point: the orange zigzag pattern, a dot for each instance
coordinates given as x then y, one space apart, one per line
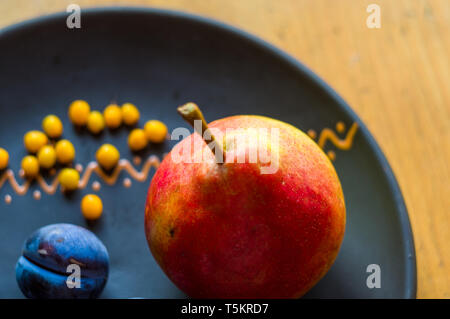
92 167
343 144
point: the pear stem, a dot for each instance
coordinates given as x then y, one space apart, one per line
191 113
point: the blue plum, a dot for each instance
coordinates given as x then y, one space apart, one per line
52 257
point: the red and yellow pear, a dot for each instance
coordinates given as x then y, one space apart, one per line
232 230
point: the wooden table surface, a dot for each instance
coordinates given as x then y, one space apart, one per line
396 78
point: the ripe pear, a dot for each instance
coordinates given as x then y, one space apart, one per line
245 228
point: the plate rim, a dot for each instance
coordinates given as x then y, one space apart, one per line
297 66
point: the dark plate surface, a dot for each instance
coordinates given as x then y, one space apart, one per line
159 60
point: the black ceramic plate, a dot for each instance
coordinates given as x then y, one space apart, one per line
159 60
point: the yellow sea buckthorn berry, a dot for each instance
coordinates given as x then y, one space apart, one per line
69 178
107 156
130 114
91 207
65 152
30 166
156 131
137 139
96 122
113 116
46 156
79 111
4 158
52 126
34 140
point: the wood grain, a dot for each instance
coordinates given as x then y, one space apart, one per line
396 78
